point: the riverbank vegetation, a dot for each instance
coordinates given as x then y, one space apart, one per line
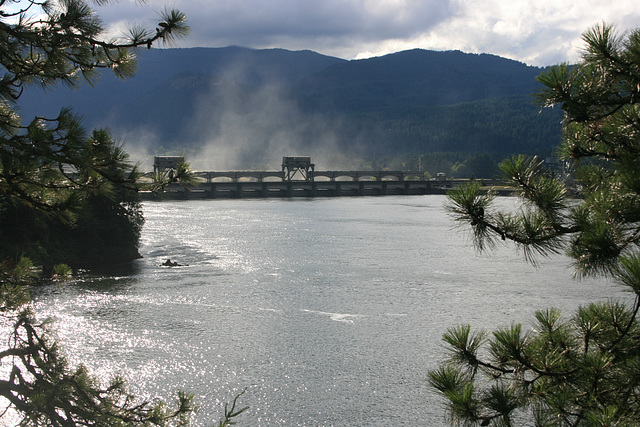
452 164
580 369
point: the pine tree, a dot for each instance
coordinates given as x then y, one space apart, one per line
55 179
583 369
52 169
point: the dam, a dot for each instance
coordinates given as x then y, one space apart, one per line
298 178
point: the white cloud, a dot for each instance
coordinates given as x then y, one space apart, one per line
539 33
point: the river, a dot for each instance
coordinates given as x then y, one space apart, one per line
328 311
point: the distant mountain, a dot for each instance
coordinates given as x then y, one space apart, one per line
416 78
237 108
160 67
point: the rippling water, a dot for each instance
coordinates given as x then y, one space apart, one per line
329 311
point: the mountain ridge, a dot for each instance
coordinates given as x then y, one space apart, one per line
239 107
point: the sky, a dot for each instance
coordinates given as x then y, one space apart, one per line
540 33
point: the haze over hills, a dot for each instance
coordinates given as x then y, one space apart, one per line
233 107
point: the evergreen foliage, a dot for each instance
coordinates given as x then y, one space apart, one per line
498 126
66 195
52 171
584 369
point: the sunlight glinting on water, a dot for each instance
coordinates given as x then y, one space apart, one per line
329 312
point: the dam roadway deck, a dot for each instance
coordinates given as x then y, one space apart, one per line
271 184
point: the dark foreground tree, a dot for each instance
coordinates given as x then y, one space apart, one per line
584 369
65 195
52 171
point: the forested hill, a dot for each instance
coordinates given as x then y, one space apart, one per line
417 78
237 108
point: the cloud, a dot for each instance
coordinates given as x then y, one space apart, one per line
539 33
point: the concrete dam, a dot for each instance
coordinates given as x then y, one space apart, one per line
298 178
